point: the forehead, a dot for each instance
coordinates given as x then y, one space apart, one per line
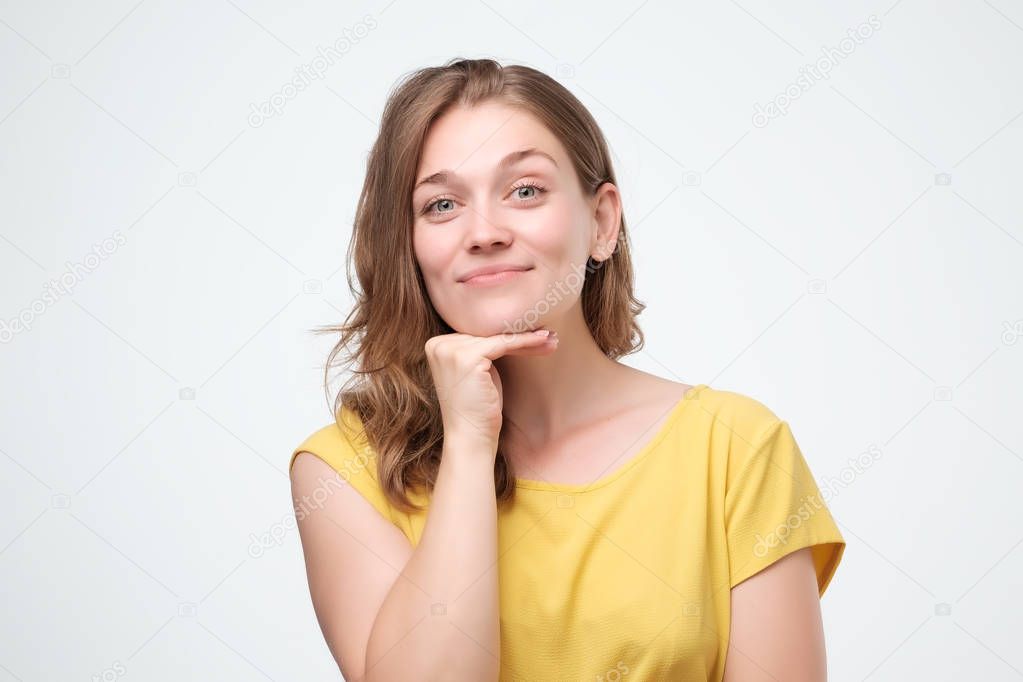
473 140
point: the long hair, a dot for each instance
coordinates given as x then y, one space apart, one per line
382 340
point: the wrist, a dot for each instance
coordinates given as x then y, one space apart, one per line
473 447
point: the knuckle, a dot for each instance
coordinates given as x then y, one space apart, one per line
434 344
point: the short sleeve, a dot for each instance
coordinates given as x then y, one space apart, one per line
355 464
773 507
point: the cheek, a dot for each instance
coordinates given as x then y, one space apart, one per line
560 233
430 251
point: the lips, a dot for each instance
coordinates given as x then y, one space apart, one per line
493 270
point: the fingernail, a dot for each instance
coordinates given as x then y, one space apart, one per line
542 332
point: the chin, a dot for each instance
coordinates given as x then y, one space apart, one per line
496 322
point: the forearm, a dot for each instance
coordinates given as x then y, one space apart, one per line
440 620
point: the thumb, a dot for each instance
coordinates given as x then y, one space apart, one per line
496 377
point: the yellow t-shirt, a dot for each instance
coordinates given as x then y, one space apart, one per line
629 577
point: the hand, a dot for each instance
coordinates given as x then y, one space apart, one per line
469 386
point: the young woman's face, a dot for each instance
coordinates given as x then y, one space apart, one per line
496 189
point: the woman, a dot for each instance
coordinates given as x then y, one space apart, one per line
499 497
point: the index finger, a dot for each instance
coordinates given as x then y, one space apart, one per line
495 346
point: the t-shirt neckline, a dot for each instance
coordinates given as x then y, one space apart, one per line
691 394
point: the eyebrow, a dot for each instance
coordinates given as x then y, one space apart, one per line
442 176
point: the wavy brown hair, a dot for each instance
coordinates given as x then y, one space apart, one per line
382 340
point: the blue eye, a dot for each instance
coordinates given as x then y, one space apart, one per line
442 202
537 190
429 207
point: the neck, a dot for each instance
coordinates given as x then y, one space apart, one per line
547 395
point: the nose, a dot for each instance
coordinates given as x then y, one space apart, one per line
485 232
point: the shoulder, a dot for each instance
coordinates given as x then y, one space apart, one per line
344 448
735 417
342 445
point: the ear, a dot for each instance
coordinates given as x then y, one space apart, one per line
607 219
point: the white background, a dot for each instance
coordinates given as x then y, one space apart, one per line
855 264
